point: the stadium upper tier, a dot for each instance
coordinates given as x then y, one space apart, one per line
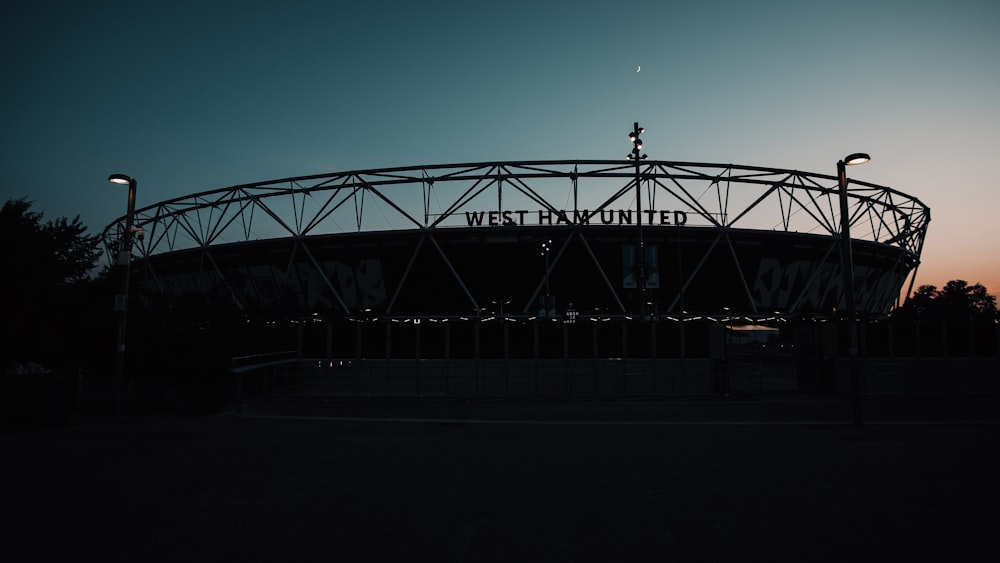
543 192
725 210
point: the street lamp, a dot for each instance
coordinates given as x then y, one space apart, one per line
123 261
847 270
640 259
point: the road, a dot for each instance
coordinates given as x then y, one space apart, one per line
632 481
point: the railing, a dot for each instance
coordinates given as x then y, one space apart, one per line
242 365
931 376
749 377
526 378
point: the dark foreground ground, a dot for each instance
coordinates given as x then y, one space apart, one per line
527 481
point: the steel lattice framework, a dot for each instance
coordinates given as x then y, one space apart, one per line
722 198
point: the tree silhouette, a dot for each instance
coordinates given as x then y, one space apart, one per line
956 300
46 266
53 253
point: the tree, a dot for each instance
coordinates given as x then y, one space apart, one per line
956 300
46 265
921 300
53 253
958 297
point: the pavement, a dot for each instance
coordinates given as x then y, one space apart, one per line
709 479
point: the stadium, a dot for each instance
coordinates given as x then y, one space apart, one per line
574 277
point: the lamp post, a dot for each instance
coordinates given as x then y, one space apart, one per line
640 259
123 261
847 271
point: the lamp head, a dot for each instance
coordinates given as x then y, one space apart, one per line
856 158
121 179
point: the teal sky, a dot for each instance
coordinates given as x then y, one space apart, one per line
190 96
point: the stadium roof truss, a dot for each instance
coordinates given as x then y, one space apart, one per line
723 197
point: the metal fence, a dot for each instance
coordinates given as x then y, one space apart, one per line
556 378
814 361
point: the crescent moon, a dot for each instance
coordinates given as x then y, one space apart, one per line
638 68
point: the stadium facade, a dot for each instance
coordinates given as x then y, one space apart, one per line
423 262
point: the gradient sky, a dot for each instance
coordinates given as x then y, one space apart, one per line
191 96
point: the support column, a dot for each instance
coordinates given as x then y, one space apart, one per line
329 341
